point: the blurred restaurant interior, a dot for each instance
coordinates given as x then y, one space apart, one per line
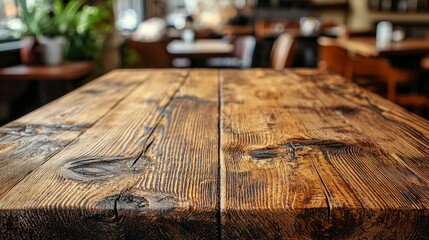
381 45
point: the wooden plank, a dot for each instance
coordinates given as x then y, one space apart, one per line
388 171
147 169
316 131
31 140
271 142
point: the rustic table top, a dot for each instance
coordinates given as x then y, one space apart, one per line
216 153
367 46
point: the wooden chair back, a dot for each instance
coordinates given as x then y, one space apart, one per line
283 51
380 68
335 58
424 63
331 56
150 54
417 102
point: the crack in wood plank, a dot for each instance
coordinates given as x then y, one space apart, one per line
96 169
161 117
145 149
293 147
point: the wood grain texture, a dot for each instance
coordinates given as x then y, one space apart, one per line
271 141
31 140
389 174
135 174
313 156
209 154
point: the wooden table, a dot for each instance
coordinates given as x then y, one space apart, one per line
216 153
366 46
65 72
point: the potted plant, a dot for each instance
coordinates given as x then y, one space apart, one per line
83 31
94 34
46 28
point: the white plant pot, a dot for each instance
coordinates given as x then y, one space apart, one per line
53 49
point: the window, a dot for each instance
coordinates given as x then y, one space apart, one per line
129 13
8 15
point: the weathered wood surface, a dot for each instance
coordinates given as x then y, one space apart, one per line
31 140
209 154
308 155
139 172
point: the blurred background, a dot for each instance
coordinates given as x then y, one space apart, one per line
50 47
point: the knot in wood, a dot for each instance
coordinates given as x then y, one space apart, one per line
262 154
345 109
132 202
124 201
94 169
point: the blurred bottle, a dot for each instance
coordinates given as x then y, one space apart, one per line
384 34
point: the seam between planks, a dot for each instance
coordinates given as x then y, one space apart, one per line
86 129
221 166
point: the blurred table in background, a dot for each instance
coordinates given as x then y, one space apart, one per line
38 85
66 71
200 50
406 54
366 46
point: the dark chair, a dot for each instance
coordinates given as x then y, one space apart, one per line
418 101
424 63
